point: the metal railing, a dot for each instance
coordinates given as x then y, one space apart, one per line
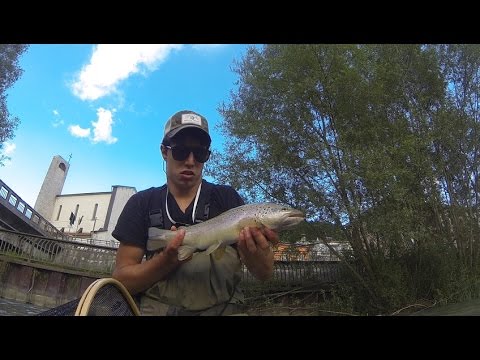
300 272
97 259
91 241
67 255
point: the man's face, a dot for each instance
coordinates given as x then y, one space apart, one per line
184 171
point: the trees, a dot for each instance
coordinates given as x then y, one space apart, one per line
378 140
10 72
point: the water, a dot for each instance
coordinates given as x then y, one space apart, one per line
16 308
466 308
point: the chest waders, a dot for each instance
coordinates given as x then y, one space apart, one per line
202 285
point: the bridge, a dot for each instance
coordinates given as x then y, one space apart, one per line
17 215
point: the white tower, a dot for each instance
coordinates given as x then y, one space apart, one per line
51 187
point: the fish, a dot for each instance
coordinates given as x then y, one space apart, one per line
222 230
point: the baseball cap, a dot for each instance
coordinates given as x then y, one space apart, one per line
183 120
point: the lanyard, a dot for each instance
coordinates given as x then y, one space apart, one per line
194 206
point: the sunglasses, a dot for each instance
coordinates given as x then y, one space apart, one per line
181 153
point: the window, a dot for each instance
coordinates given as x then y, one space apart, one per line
59 211
76 210
3 192
21 206
28 213
62 166
12 200
94 211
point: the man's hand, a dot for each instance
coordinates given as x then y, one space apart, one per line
138 275
252 239
254 246
171 250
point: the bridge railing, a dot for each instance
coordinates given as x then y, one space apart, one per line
67 255
91 241
12 201
97 259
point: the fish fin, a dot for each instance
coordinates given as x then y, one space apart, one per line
185 251
246 222
218 253
158 238
212 248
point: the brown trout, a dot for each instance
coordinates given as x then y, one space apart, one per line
224 229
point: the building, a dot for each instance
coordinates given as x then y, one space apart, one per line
83 215
316 250
92 215
52 186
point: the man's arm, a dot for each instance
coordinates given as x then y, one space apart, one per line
255 250
138 276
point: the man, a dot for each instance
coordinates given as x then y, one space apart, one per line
203 284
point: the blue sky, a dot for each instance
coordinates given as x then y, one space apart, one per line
106 105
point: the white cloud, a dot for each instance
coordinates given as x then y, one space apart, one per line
202 47
110 64
57 121
102 128
5 152
77 131
8 148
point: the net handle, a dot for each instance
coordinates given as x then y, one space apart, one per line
89 294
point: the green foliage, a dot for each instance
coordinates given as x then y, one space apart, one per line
431 274
10 72
378 142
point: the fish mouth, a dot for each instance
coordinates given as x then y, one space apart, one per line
296 213
294 217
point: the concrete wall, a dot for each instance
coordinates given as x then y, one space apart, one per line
110 206
120 196
86 205
34 284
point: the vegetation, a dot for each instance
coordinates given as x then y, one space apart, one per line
380 145
10 72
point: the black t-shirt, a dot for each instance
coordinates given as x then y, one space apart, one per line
134 221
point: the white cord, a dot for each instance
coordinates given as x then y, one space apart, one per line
194 205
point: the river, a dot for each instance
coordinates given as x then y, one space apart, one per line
465 308
16 308
468 308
